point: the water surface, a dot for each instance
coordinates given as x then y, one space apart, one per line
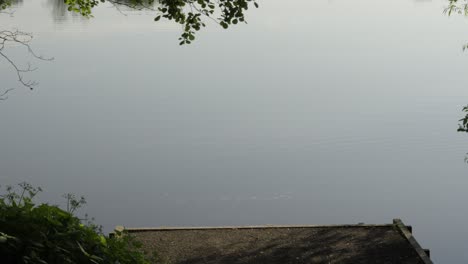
316 112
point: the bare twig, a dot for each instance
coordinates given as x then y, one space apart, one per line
15 37
4 96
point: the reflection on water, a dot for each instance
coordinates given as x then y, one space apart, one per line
60 9
16 2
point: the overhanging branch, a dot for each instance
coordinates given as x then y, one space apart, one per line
10 38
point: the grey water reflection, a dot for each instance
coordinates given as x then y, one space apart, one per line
60 11
16 3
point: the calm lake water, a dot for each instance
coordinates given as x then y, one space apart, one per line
316 112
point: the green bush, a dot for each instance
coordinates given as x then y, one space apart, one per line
45 233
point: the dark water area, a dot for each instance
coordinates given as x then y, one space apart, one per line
316 112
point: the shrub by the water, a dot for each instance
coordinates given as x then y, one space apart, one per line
44 233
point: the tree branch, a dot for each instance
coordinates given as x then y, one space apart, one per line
15 37
4 96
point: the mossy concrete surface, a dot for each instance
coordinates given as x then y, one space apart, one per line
386 244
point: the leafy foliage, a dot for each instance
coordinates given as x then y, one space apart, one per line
45 233
457 7
463 127
460 7
4 4
188 13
